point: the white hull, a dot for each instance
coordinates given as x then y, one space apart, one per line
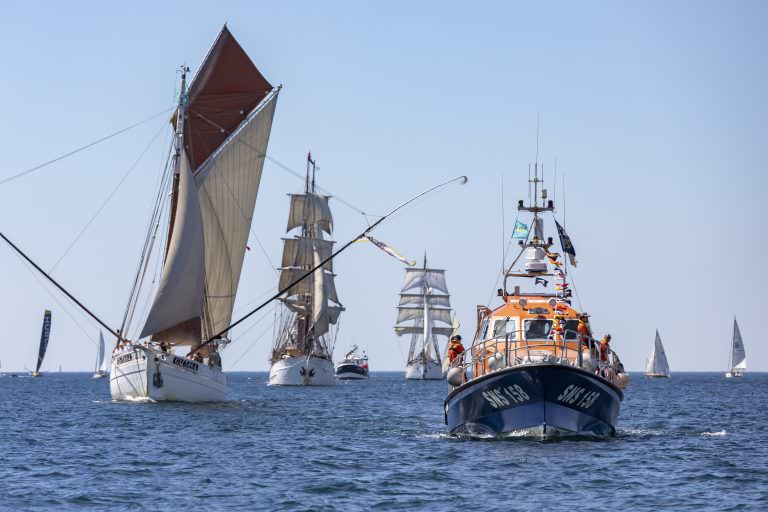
658 375
302 371
417 371
146 375
351 376
734 374
99 375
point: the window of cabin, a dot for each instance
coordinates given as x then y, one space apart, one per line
504 326
537 329
483 330
571 330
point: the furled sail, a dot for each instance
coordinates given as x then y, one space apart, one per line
657 361
419 329
738 354
178 303
44 336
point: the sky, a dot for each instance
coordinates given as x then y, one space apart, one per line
653 114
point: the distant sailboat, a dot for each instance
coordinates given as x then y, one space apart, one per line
101 363
738 359
657 365
303 349
44 336
424 300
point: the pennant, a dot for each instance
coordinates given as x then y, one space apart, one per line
565 242
542 281
387 249
520 230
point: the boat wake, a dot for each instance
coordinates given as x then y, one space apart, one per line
720 433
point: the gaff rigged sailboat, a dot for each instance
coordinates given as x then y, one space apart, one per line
100 370
44 337
657 365
424 301
222 126
738 356
302 352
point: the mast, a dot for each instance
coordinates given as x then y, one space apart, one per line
427 316
178 143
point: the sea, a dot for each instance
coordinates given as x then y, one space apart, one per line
693 442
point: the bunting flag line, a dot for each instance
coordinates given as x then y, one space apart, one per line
520 230
387 249
565 242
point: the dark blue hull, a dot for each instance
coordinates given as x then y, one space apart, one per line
544 400
351 371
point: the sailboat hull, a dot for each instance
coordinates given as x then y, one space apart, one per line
142 374
302 371
543 401
420 371
658 375
99 375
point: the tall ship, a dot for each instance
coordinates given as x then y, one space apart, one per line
100 368
354 365
222 125
737 361
302 353
657 365
43 347
534 367
424 305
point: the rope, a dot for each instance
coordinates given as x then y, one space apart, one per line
109 197
81 148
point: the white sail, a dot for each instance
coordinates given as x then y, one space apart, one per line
310 209
435 314
320 318
307 286
657 362
425 278
228 183
175 312
738 354
299 252
440 331
417 299
101 361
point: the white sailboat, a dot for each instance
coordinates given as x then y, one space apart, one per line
657 365
738 356
303 349
100 370
222 126
424 301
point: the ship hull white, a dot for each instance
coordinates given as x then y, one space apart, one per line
658 375
145 375
420 371
734 374
302 371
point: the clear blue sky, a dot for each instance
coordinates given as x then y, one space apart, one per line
655 111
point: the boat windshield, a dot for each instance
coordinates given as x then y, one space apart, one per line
504 326
537 329
572 329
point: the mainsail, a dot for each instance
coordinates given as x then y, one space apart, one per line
225 123
424 300
101 362
44 336
738 355
657 361
313 303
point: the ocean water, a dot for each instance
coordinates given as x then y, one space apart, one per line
694 442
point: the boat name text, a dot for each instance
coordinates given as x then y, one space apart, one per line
185 363
577 395
505 396
125 358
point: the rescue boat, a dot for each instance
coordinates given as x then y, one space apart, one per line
535 369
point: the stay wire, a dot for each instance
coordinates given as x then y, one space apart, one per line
81 148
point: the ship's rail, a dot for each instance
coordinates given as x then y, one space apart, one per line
494 354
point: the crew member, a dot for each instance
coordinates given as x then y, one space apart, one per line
583 329
455 348
604 347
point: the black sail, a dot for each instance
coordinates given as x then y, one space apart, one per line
44 339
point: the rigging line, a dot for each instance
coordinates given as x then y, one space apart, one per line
57 285
253 344
81 148
48 291
109 198
462 179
